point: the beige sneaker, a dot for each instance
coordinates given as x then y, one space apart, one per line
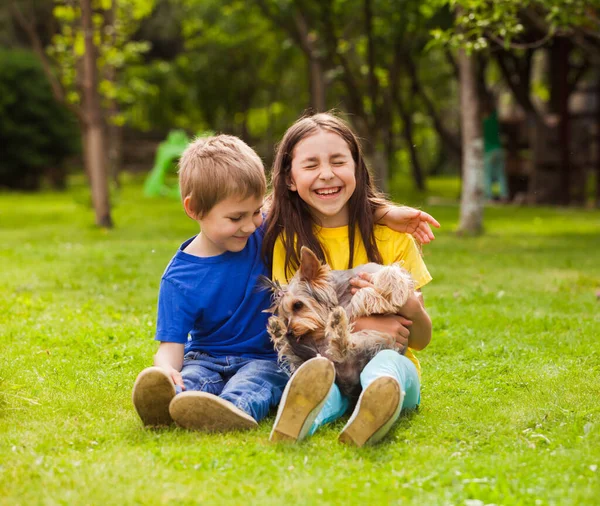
302 399
153 391
209 413
376 411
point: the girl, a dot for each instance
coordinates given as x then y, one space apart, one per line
324 198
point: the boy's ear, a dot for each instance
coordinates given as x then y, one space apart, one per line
187 205
311 269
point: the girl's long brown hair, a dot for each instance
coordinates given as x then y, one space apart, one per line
290 217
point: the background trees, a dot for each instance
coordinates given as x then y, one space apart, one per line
252 67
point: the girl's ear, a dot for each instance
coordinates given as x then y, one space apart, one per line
291 185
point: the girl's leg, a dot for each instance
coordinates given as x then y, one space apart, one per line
391 363
390 383
335 406
309 389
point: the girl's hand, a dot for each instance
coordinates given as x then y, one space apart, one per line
395 326
362 280
409 221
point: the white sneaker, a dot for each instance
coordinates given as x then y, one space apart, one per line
209 413
376 411
153 391
302 400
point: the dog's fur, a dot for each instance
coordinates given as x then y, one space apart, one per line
311 316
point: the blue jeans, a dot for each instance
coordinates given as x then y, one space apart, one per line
250 384
385 363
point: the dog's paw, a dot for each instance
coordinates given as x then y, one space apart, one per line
395 284
368 301
275 327
338 318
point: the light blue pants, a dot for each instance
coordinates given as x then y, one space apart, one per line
493 169
385 363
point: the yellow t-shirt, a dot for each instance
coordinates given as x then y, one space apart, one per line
393 247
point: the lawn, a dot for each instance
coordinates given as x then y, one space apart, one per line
510 409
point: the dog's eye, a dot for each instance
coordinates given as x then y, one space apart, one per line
298 305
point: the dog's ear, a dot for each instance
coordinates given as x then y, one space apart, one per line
277 292
311 269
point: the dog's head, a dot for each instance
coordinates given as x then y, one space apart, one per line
306 302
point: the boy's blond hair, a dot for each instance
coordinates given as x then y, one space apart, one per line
212 169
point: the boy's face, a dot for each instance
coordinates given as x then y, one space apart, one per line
229 224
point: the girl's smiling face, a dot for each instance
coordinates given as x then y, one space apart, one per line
323 174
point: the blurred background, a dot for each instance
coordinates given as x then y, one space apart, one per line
501 99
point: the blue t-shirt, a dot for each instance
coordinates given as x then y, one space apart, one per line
218 302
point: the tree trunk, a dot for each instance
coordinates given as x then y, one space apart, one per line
316 75
407 132
450 142
380 169
115 150
471 202
597 199
94 133
565 123
378 163
114 132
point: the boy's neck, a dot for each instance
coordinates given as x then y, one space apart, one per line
199 247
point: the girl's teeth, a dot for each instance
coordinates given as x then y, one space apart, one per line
327 192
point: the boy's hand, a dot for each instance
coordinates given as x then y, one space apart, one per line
409 221
176 377
169 357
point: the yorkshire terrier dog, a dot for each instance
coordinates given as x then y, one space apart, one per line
311 316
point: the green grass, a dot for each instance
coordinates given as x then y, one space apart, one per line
510 408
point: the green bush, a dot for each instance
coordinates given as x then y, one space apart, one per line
37 134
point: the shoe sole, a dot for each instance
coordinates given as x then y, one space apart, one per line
302 399
153 391
208 413
374 413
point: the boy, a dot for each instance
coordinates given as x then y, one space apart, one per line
225 374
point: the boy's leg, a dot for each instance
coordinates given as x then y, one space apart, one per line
153 390
206 412
198 407
306 393
256 387
202 373
390 383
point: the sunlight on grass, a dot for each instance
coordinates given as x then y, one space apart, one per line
511 381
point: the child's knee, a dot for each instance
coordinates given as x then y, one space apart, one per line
380 365
388 363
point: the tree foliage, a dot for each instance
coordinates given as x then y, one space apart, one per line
36 132
115 24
